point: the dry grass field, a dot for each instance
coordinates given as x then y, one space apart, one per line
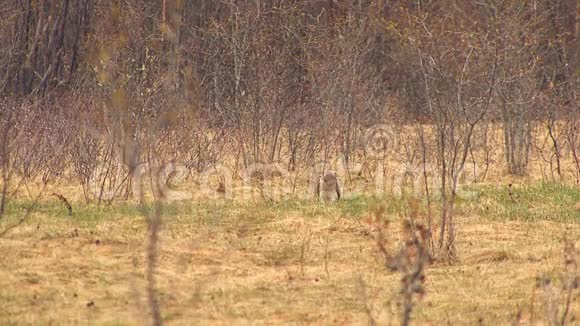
293 261
159 160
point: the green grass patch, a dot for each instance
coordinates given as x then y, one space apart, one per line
530 202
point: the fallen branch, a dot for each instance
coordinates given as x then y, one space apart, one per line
65 202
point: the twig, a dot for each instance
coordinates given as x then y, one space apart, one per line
326 255
65 202
367 309
154 224
570 261
304 247
26 215
568 301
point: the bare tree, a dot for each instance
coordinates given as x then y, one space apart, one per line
459 87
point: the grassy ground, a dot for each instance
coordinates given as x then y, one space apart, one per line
293 261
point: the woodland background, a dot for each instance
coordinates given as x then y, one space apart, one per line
91 89
454 95
283 80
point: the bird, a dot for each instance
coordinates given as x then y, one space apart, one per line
327 188
221 189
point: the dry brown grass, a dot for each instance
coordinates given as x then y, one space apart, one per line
242 262
268 270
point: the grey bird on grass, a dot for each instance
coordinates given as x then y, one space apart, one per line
327 188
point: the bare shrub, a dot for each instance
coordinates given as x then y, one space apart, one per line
32 146
559 292
521 52
410 260
573 139
459 85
